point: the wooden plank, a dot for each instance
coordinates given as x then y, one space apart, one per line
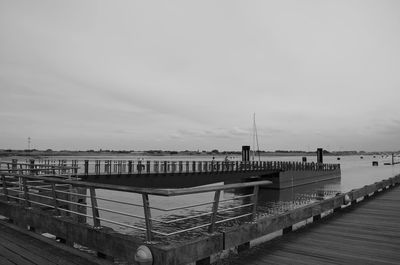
367 233
4 261
16 258
49 249
28 244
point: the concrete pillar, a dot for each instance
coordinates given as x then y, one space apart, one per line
245 153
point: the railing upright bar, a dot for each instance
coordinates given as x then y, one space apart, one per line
86 167
214 211
5 191
255 200
95 211
147 216
26 195
53 191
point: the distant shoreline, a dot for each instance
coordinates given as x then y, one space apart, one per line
47 153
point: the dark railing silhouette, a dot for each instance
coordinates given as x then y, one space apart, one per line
112 167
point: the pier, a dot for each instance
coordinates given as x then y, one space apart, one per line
179 174
78 212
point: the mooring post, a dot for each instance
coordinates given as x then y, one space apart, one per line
214 211
245 153
95 210
147 216
320 155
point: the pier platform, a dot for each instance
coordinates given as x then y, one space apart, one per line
21 247
366 233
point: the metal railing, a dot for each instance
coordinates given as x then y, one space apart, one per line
38 169
69 198
108 167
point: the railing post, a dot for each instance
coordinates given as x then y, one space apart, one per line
5 190
255 201
214 211
26 195
155 165
147 216
95 210
32 166
148 166
53 191
165 167
86 167
180 166
129 167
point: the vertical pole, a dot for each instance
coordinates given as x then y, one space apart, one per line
147 216
214 211
255 201
86 167
129 167
32 166
95 210
53 191
26 195
148 166
5 191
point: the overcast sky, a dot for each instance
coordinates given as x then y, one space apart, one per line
178 75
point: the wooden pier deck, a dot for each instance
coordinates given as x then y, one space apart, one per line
20 247
367 233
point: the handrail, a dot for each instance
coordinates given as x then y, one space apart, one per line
35 190
150 191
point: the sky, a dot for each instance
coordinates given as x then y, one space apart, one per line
189 75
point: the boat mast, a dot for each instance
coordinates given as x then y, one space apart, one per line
255 139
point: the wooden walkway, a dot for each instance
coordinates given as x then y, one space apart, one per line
368 233
19 247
